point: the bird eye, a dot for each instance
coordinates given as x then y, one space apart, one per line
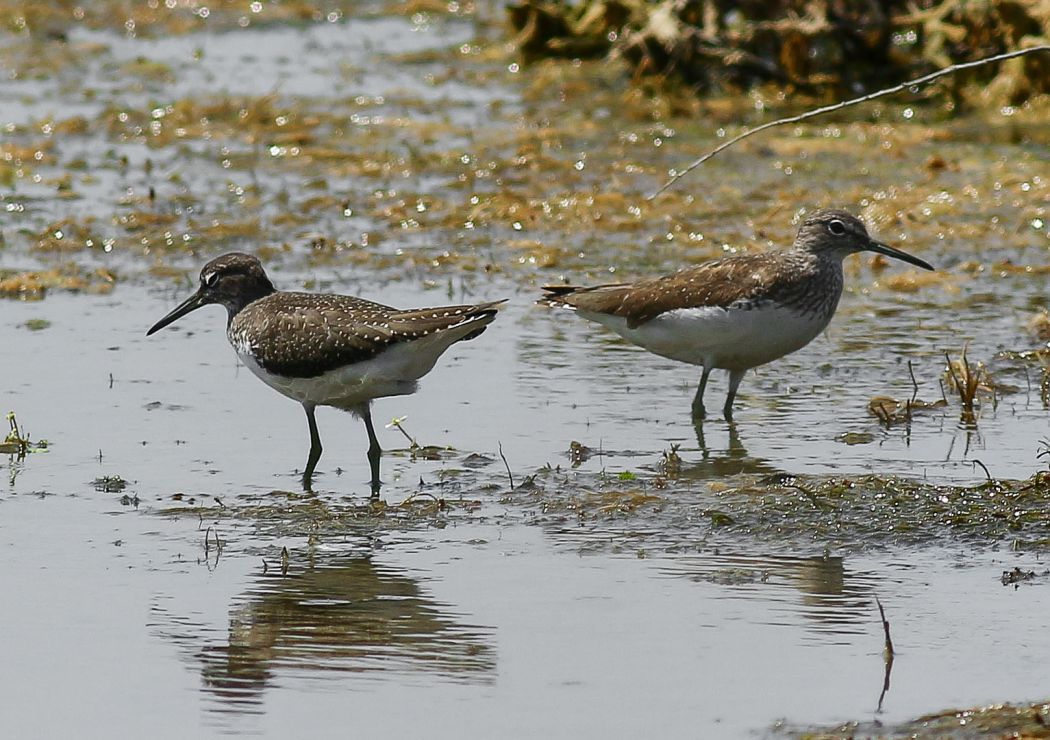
211 279
836 227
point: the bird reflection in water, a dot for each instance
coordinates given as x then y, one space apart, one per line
734 460
353 616
833 599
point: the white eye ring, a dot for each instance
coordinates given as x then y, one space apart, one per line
836 227
211 279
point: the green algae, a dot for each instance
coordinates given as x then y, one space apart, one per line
662 509
852 513
280 513
997 720
33 285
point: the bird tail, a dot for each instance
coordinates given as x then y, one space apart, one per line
483 314
559 295
465 321
597 298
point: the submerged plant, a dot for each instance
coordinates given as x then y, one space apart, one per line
109 484
890 411
1039 325
966 381
671 461
17 441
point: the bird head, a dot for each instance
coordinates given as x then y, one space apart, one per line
233 280
840 233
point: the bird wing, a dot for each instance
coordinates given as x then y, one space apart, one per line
718 283
419 322
307 334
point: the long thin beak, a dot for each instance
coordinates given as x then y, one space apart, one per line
889 251
192 303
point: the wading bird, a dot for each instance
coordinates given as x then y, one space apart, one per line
322 349
738 312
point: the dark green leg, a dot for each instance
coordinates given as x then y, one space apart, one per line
698 400
315 448
374 450
735 376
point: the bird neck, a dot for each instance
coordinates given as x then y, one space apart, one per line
249 294
812 282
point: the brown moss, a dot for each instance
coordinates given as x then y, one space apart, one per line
67 235
1039 325
34 285
912 281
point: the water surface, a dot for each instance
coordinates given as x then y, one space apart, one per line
166 575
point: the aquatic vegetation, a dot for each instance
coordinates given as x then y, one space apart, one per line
912 281
110 484
1039 325
17 442
1017 576
49 21
671 462
67 235
890 411
997 720
34 285
967 381
663 511
851 512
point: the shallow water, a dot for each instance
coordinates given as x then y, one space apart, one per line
602 594
452 629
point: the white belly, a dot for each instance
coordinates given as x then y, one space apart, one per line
393 372
730 339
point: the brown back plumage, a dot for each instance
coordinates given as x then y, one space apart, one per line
755 277
307 334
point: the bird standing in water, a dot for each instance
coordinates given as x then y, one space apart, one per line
328 350
738 312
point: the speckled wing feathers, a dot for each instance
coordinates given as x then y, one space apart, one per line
304 335
781 276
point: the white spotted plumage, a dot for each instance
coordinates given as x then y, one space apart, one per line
393 371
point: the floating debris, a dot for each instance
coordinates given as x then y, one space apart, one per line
890 411
579 453
110 484
1018 575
